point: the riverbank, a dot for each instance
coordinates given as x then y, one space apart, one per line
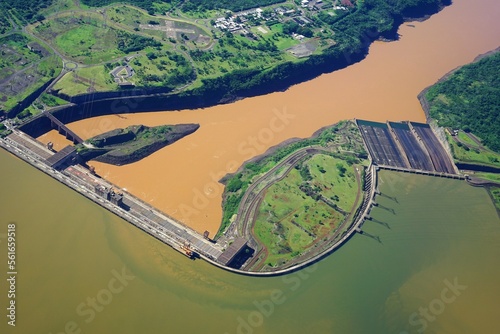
422 95
247 81
255 124
458 106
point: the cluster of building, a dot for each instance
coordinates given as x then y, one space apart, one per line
284 11
320 5
228 24
237 21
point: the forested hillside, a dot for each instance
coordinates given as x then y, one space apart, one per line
23 9
190 5
470 100
234 5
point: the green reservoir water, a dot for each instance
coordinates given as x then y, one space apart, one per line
83 270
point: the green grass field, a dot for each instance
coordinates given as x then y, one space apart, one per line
325 173
290 221
89 44
473 154
235 53
70 86
495 194
488 176
464 137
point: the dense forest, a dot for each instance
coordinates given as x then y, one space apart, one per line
190 5
144 4
23 9
470 100
234 5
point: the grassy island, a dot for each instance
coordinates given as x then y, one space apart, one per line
124 146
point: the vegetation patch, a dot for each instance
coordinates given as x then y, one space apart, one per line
468 103
124 146
474 153
89 40
25 11
236 50
469 99
51 100
495 195
343 136
298 198
306 207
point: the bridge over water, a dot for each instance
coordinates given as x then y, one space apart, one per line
63 129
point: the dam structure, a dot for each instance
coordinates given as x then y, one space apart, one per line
405 147
64 167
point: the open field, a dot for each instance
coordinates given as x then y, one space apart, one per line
128 17
71 86
495 177
162 68
307 206
466 139
473 154
334 178
236 52
88 40
51 100
85 80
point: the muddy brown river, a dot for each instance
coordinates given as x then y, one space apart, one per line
182 179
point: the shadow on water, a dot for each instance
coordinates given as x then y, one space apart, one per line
389 197
380 222
374 237
391 210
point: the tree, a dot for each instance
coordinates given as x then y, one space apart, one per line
341 169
